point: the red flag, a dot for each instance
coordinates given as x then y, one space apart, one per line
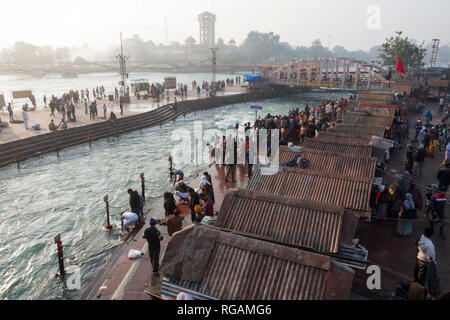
400 67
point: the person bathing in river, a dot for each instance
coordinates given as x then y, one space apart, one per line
129 219
179 174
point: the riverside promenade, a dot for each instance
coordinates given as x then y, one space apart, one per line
15 132
21 149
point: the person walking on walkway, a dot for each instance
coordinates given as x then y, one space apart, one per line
444 176
421 154
231 162
425 254
429 116
10 111
419 127
441 105
410 151
438 204
154 238
25 117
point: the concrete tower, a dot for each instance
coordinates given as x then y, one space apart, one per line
207 23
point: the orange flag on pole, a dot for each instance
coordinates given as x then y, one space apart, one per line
400 67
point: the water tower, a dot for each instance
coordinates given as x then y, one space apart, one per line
207 23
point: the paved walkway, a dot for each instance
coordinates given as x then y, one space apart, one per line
396 255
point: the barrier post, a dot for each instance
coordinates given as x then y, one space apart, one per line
57 148
143 185
17 159
62 271
171 167
108 225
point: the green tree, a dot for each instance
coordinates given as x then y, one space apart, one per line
412 55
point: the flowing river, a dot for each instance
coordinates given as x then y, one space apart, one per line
51 195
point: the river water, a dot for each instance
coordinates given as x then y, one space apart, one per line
51 196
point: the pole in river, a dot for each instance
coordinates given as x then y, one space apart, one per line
143 185
62 271
17 159
106 199
171 167
57 148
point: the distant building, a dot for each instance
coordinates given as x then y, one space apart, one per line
207 23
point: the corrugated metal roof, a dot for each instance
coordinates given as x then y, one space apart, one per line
368 119
376 111
227 266
358 129
292 221
376 96
352 149
343 139
350 193
335 163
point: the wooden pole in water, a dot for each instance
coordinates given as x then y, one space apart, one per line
17 159
143 185
171 167
62 271
57 148
106 199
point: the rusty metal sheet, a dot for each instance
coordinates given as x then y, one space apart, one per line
438 83
376 96
377 105
357 129
335 163
352 149
368 120
377 111
287 220
234 267
350 193
24 94
343 139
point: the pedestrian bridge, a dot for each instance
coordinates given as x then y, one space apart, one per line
332 73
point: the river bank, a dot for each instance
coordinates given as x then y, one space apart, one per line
39 145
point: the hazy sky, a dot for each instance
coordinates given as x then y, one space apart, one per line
98 22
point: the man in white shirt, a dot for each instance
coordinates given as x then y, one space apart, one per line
25 118
441 104
129 219
426 254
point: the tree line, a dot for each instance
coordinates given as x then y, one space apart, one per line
257 47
